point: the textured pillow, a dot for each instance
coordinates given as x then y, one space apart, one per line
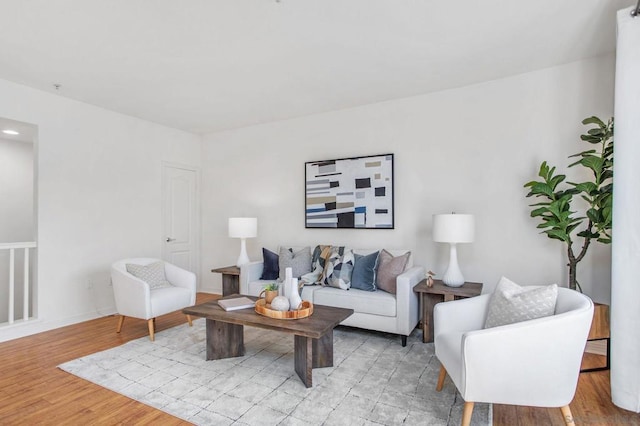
389 268
338 268
364 272
270 269
318 261
511 303
299 262
152 274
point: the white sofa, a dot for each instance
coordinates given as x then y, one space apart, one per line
373 310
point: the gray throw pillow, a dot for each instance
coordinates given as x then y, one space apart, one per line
511 303
389 268
299 262
364 272
152 274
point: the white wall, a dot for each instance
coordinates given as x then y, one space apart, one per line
99 198
468 150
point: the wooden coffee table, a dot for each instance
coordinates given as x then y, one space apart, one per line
313 336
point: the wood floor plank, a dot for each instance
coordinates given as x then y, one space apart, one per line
34 391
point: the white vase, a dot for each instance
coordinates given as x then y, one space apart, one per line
294 296
288 275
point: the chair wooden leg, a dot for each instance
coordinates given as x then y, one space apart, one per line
443 374
189 321
151 329
467 411
120 322
567 416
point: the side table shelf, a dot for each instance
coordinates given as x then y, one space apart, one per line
430 296
230 279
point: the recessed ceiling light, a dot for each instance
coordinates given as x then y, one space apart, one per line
10 132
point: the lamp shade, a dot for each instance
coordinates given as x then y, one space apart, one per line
453 228
243 227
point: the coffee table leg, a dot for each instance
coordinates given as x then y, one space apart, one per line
303 354
323 351
224 340
312 353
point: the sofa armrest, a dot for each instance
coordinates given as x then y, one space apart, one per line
181 278
131 294
407 300
447 317
250 272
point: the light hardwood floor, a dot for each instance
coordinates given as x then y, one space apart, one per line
34 391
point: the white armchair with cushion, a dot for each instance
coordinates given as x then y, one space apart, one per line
532 362
146 288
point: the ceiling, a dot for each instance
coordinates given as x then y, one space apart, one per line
210 65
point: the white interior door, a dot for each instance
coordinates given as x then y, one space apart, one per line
180 216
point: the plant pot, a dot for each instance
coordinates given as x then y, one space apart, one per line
269 295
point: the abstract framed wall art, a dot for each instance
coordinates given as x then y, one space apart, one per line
350 193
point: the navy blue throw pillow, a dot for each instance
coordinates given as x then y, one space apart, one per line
364 272
270 269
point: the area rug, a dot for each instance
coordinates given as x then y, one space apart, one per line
374 380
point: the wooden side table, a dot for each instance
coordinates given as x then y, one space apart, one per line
230 279
440 292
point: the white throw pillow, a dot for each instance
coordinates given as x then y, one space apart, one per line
152 274
511 303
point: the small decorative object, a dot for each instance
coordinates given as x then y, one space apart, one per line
270 291
243 228
560 220
294 295
288 275
430 276
280 303
453 229
351 193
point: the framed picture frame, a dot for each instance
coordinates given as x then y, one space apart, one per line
352 193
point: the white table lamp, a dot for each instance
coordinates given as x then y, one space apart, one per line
243 228
453 229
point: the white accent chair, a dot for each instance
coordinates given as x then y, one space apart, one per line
134 297
531 363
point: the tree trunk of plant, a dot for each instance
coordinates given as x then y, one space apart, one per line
573 282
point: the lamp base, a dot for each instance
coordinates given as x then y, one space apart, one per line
453 276
244 257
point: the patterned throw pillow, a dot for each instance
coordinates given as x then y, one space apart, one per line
318 262
152 274
299 262
364 272
339 267
511 303
389 268
270 270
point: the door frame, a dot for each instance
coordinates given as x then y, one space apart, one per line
196 225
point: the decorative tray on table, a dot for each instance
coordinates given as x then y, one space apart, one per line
305 310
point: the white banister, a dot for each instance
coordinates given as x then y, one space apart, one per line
12 261
27 290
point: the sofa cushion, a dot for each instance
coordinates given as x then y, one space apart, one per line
152 274
299 261
366 302
318 262
511 303
270 268
364 272
389 268
338 268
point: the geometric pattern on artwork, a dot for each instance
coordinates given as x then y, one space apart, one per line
511 303
350 193
152 274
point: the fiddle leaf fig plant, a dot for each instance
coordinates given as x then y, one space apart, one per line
557 219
